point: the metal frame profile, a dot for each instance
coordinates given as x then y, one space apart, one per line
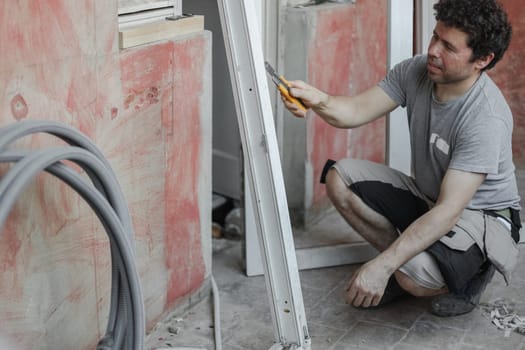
256 125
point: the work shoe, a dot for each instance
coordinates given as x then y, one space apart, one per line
465 300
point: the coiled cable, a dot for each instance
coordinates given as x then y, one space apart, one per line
126 323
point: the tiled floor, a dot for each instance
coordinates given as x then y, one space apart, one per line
246 322
406 324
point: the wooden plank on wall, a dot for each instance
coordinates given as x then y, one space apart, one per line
127 6
159 30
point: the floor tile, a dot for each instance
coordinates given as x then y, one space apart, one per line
404 324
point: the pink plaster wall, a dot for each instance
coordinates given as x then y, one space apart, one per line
147 110
508 74
347 56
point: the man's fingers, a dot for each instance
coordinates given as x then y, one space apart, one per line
298 93
293 108
367 302
297 84
359 300
364 300
376 300
358 295
299 89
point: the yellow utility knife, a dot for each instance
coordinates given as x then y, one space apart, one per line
284 87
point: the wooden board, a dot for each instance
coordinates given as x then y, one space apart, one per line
161 30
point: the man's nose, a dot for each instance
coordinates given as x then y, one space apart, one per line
434 49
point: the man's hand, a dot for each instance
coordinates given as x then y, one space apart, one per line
367 286
310 96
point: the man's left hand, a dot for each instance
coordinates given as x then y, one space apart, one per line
367 286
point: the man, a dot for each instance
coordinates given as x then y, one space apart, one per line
443 231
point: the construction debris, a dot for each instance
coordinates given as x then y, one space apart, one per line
501 313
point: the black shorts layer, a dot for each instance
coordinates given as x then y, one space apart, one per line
401 208
478 236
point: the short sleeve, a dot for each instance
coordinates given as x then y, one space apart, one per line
396 82
478 147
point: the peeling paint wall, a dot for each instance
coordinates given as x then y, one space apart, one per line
148 109
509 76
340 49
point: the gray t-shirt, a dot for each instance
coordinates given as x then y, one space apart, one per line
471 133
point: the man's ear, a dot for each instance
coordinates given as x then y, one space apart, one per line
482 62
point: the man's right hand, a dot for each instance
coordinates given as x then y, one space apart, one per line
311 97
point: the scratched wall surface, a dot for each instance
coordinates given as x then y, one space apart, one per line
148 110
508 74
343 51
347 56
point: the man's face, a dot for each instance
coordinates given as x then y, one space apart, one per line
449 56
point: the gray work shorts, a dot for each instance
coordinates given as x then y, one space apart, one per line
456 257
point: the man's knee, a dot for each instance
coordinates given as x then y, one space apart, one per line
337 191
415 289
343 198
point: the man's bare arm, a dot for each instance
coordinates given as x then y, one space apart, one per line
342 111
457 189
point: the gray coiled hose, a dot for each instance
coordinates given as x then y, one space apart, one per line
126 324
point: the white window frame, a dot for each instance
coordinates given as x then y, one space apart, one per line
147 11
400 47
425 23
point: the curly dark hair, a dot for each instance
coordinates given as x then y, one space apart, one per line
484 21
